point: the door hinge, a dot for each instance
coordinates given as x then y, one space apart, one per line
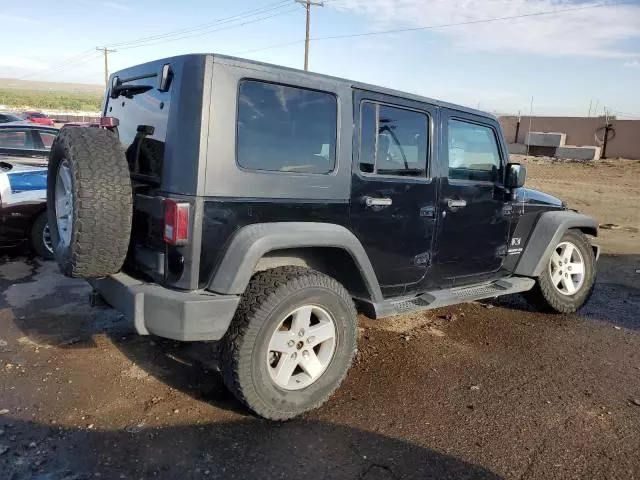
428 212
507 210
422 260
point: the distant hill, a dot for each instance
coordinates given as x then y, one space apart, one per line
52 96
17 84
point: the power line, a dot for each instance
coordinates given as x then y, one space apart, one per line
201 29
210 31
72 62
91 54
434 27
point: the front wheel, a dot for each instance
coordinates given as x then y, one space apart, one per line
291 342
568 278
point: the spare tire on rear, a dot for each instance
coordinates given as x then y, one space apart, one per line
89 202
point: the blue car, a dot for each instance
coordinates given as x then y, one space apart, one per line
23 207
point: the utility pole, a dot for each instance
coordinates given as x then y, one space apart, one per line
307 5
530 120
106 63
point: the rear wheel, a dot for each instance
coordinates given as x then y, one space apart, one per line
568 278
89 201
40 236
291 342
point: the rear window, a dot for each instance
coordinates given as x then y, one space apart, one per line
286 129
47 139
37 115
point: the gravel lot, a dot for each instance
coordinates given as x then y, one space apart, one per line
484 390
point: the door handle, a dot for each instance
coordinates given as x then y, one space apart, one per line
377 202
456 203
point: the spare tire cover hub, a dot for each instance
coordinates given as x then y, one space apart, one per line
64 202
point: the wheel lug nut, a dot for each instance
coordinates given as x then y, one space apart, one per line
311 339
294 355
301 332
305 354
290 343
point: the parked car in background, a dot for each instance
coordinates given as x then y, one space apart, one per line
6 117
82 124
23 205
26 142
39 118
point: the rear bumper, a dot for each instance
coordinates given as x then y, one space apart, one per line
156 310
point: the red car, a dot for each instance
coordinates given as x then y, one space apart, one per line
39 118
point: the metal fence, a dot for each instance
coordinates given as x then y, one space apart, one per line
74 117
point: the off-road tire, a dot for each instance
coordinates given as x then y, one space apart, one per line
102 202
36 237
267 299
546 298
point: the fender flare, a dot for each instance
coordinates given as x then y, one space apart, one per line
252 242
546 235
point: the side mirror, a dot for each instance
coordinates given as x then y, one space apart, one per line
516 175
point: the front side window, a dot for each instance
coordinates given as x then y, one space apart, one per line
473 152
286 129
393 141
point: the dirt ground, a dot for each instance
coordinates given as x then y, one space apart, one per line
608 190
484 390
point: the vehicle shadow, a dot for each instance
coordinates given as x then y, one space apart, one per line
615 298
54 311
254 449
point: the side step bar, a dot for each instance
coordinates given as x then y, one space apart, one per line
453 296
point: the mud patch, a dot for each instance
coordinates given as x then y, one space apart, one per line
15 270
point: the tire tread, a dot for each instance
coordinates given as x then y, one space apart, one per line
544 296
262 295
103 201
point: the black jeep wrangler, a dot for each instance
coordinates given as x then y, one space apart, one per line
262 206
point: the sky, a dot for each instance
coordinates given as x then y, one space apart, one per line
473 52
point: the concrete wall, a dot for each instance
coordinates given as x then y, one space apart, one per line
581 131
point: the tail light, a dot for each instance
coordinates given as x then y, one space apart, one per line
109 122
176 222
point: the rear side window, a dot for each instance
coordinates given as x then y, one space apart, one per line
15 139
473 152
393 141
286 129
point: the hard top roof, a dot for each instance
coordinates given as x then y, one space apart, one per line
227 59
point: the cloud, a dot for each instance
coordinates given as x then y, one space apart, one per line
632 64
587 32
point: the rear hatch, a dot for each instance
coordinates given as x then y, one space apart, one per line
158 107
